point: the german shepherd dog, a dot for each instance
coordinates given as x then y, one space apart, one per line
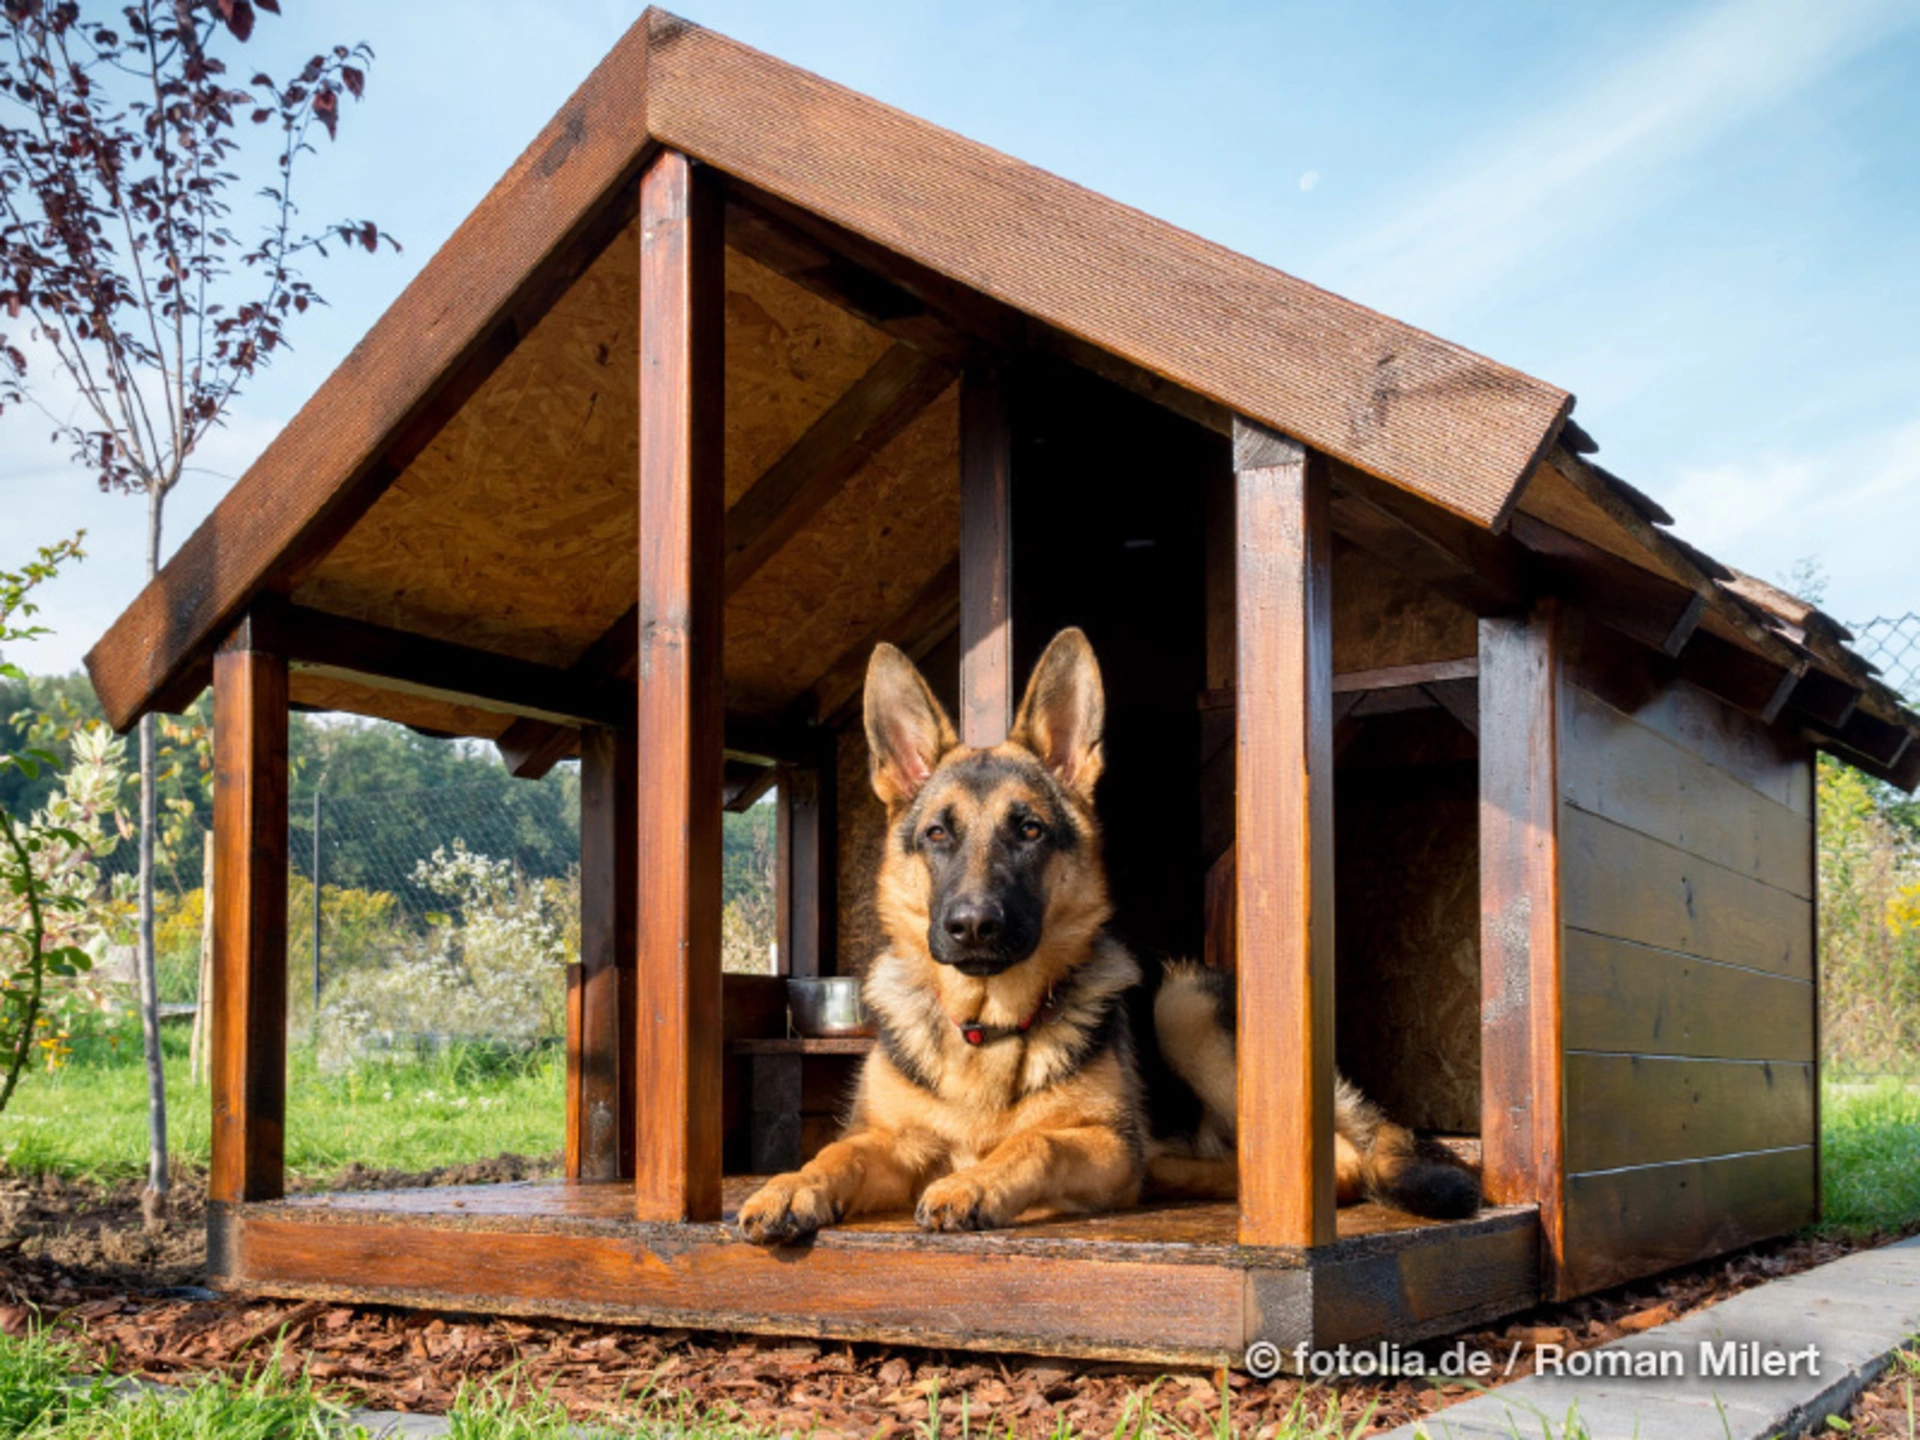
1005 1078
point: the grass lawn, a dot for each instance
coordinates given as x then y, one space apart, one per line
89 1119
1870 1156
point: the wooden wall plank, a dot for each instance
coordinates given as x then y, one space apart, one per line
680 720
1630 998
1648 1109
1622 1224
249 1066
1615 767
986 558
1520 933
1623 884
608 874
1284 845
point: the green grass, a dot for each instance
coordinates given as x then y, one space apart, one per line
90 1118
1870 1155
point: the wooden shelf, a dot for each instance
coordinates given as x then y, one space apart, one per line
838 1045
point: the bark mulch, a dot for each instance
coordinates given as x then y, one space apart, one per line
78 1256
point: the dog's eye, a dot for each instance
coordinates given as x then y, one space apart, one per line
935 835
1031 830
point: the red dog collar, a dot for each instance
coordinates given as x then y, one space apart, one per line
976 1033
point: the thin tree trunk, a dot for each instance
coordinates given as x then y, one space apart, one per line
154 1202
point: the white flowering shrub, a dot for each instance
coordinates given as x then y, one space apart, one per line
492 966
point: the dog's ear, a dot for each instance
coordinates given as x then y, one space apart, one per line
907 731
1064 713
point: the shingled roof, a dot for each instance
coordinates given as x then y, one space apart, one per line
1007 251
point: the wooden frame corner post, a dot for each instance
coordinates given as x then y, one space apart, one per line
1521 1117
986 558
249 1066
679 729
1283 820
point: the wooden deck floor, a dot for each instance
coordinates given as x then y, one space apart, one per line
1160 1283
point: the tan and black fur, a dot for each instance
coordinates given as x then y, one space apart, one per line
1005 1078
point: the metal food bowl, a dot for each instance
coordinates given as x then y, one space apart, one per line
827 1007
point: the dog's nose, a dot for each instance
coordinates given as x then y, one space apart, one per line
975 922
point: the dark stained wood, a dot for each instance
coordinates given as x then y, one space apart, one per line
609 872
1616 768
248 1069
1755 684
1284 844
1520 959
557 208
1162 1283
1459 428
1631 998
1825 699
416 664
1223 920
803 1045
1657 611
1622 1224
1648 1109
1618 882
1486 573
807 886
797 486
986 559
1393 677
680 723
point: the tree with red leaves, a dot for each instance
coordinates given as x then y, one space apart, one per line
122 275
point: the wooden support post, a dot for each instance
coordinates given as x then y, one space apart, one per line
986 559
807 894
1520 1051
1284 839
249 1062
599 1096
680 721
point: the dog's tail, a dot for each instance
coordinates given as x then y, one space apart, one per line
1374 1159
1378 1160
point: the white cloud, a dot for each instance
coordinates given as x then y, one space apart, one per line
1310 181
1856 505
1588 159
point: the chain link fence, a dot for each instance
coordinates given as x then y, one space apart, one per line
1893 643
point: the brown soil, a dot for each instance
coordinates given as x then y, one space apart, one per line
1890 1406
79 1255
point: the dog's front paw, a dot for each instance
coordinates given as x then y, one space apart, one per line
958 1202
787 1207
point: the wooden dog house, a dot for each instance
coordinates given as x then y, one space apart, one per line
736 373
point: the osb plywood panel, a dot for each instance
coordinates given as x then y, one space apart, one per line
1408 941
514 530
1382 618
856 564
329 692
790 355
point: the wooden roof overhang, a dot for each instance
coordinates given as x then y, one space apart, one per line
447 526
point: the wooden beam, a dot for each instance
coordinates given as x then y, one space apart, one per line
744 782
1284 840
1486 573
986 559
680 719
600 1115
808 901
249 1066
1825 699
1392 677
1753 683
541 226
1521 1128
413 664
1657 611
797 486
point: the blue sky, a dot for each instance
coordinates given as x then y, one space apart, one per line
1703 219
